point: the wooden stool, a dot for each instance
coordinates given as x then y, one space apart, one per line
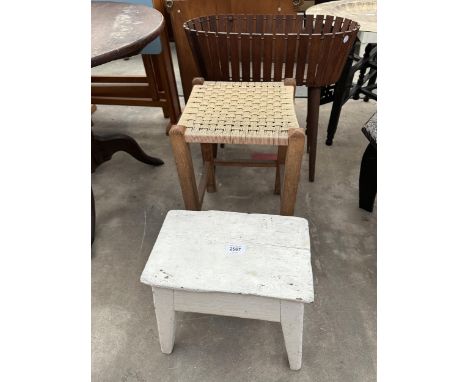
232 264
260 113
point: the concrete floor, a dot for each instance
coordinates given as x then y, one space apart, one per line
131 201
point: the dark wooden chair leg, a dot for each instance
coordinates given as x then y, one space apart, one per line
362 71
102 149
313 106
341 90
368 179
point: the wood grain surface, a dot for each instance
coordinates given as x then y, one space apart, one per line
119 30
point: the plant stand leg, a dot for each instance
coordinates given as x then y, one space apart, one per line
313 106
165 315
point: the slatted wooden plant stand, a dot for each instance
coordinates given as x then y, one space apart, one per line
312 49
232 264
257 113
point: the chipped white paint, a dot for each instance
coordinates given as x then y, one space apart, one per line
225 304
190 254
292 323
165 314
190 270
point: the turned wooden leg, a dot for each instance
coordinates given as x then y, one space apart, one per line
292 314
280 160
165 315
183 160
292 171
208 157
313 105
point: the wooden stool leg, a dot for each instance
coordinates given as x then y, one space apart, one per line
280 160
313 105
165 315
208 157
292 314
292 171
183 160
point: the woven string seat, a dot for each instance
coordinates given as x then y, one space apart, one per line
240 113
258 113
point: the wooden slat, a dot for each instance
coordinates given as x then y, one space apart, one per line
301 58
323 61
279 57
194 44
223 56
249 24
245 56
337 24
343 54
203 45
119 79
318 24
125 101
291 51
213 24
299 24
221 21
256 56
309 24
259 23
313 59
345 25
245 163
327 26
234 44
267 56
268 24
335 52
214 56
229 24
117 90
290 24
279 24
236 23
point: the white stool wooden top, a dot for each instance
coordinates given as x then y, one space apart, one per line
230 252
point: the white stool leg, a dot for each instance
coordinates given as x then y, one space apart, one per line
165 315
292 314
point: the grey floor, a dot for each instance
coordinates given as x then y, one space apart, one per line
131 201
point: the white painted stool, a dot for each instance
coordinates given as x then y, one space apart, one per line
232 264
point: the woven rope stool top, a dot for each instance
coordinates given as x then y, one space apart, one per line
240 113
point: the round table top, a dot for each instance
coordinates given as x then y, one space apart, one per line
119 30
362 11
